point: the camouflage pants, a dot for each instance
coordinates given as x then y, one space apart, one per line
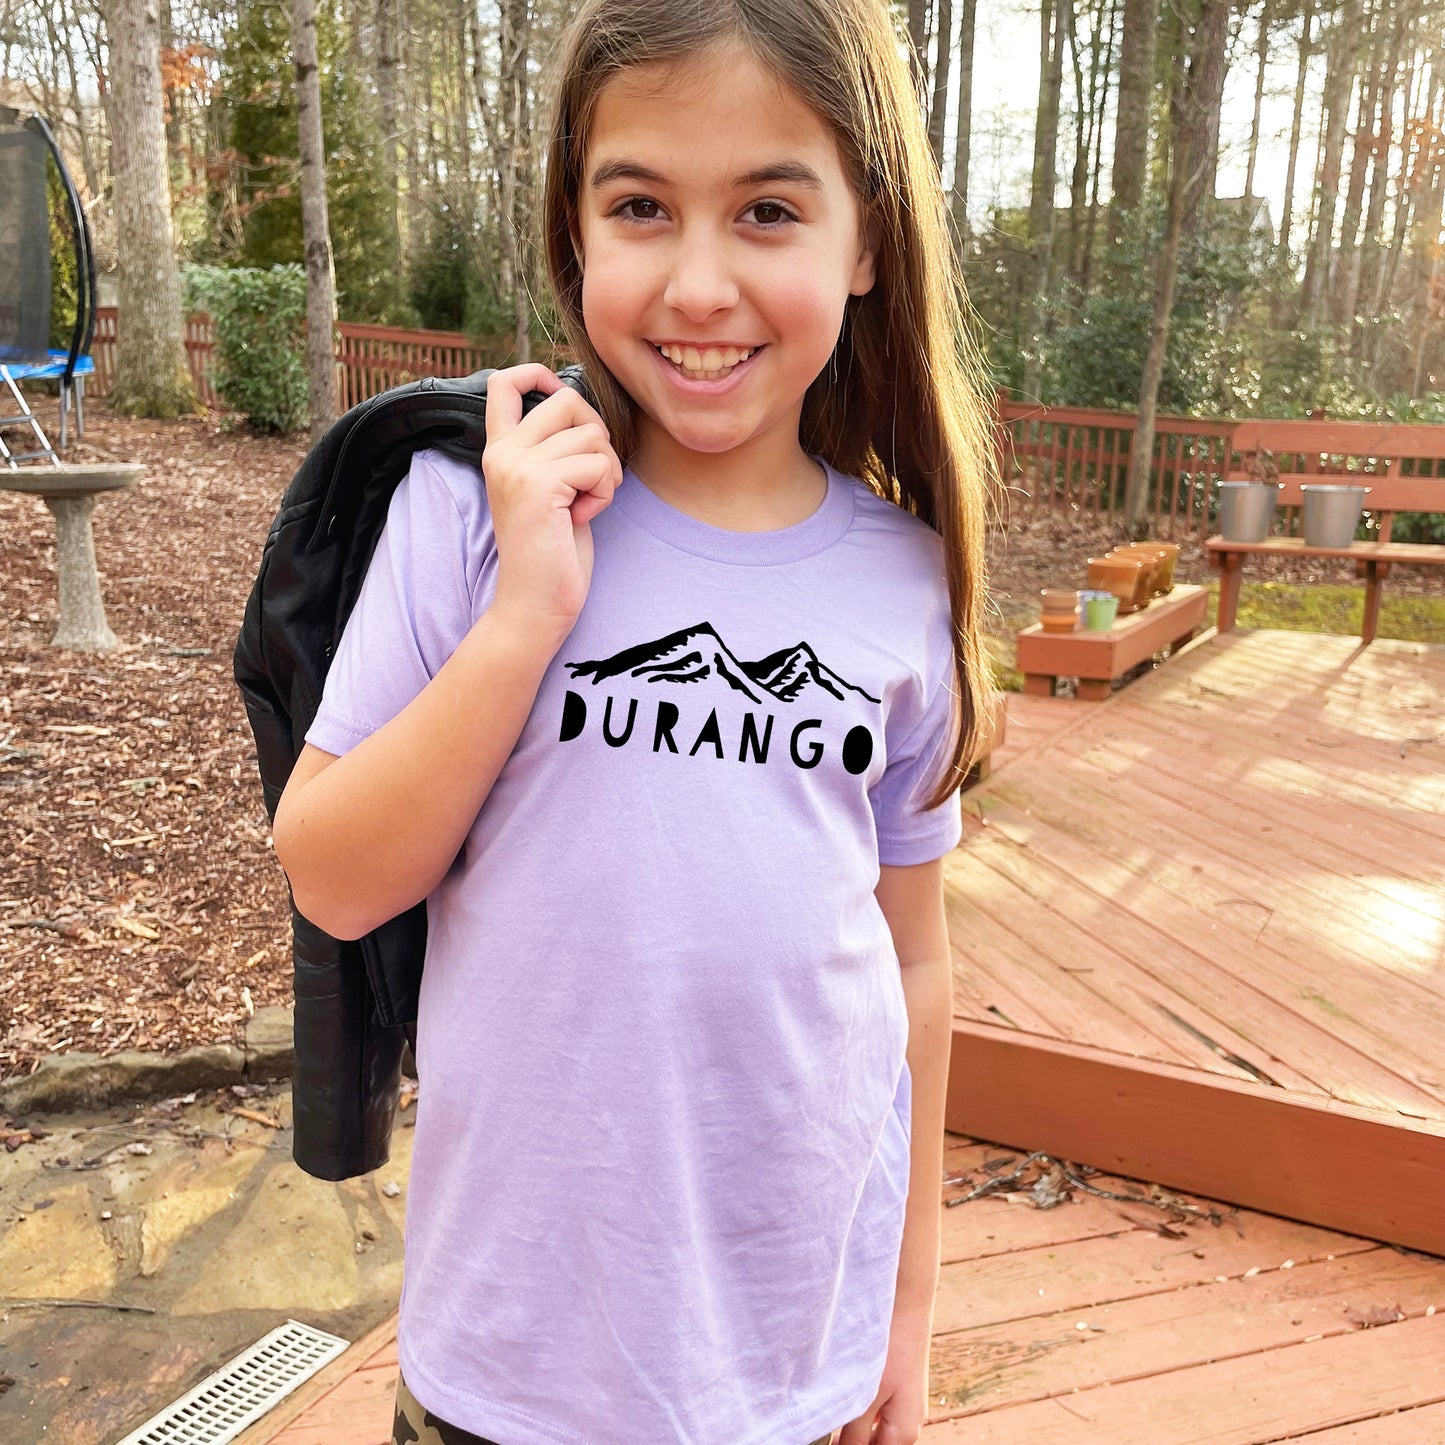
416 1425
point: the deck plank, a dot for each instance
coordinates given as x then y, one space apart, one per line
1247 925
1259 1397
1149 1334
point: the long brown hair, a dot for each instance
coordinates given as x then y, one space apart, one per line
901 405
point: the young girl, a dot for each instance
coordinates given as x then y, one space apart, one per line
664 712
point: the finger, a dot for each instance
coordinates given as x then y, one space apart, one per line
589 476
859 1431
562 409
504 395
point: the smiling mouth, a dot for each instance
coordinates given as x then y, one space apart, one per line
710 364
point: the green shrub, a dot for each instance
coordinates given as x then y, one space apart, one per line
259 323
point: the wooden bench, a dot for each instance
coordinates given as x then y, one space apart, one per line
1315 452
1097 659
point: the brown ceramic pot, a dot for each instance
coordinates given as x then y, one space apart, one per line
1153 559
1125 577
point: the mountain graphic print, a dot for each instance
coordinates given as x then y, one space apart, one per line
697 660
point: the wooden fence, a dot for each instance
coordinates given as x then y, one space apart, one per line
369 359
1071 459
1076 460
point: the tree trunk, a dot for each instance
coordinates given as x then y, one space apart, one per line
1131 125
942 70
1343 46
1261 59
512 166
387 45
1305 49
1366 268
1372 86
1079 178
1194 149
963 122
315 226
152 377
1103 66
917 46
1042 213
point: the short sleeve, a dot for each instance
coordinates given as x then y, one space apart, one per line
907 832
415 603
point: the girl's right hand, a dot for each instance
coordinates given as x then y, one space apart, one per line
547 474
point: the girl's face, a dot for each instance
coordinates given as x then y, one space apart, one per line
716 223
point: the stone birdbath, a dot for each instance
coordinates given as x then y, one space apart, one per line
70 490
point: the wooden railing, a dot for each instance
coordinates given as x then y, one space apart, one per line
199 348
1076 460
1071 459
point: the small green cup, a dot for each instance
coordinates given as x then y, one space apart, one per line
1100 610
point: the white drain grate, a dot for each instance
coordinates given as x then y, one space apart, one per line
238 1394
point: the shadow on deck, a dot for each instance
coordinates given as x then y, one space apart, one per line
1199 932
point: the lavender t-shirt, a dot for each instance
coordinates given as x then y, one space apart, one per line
662 1150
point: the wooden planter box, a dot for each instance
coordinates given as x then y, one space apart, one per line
1097 658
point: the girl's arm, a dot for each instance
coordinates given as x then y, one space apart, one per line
912 901
366 835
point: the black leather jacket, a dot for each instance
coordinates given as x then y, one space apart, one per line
355 1002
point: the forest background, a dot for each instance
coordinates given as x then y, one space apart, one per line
1255 188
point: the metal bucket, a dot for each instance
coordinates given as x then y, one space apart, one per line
1246 510
1331 514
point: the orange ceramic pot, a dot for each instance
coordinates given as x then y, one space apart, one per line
1165 554
1153 560
1060 609
1125 577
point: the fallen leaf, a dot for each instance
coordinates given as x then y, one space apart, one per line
1374 1315
140 930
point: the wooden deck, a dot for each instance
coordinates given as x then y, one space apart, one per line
1200 940
1250 1330
1200 933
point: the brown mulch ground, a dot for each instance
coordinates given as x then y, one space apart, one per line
140 904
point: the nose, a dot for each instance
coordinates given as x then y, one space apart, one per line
700 278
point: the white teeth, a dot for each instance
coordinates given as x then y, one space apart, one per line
708 365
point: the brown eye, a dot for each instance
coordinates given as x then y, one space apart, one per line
772 215
633 201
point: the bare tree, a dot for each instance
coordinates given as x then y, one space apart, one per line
152 377
1055 20
1342 48
315 226
942 72
1193 152
963 121
1131 126
918 45
1261 59
1306 49
514 156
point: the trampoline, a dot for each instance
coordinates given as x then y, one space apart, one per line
26 145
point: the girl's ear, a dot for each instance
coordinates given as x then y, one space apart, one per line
866 270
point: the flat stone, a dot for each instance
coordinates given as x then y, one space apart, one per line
81 1080
292 1250
269 1046
184 1197
58 1252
